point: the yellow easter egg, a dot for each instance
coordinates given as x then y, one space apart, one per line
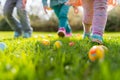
45 42
96 53
57 44
100 52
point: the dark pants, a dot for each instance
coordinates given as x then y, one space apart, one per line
22 23
61 12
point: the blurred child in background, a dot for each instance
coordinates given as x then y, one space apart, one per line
61 11
20 25
94 17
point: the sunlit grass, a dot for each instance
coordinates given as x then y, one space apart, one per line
29 59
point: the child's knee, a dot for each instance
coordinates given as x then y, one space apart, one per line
7 13
20 11
88 18
63 15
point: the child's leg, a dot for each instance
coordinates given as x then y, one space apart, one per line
99 17
68 30
87 16
61 30
14 23
99 20
57 11
61 12
63 17
24 19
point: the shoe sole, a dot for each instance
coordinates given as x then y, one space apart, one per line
28 35
97 41
61 34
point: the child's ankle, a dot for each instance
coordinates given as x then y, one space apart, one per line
97 38
86 35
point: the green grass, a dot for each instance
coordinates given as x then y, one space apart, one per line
29 59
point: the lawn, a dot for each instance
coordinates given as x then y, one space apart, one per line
30 59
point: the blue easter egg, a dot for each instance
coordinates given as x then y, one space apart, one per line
2 46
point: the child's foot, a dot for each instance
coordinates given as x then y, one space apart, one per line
68 34
17 34
86 35
27 34
97 38
61 32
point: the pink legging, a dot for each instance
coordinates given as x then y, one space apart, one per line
95 13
